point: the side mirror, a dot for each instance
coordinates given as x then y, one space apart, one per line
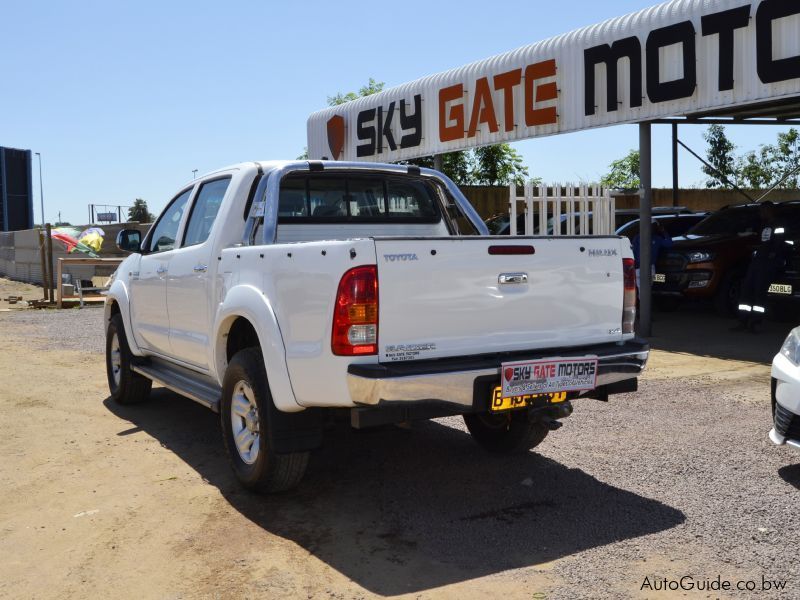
129 240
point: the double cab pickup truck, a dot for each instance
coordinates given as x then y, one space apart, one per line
280 293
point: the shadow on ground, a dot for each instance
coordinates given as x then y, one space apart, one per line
697 329
400 511
791 474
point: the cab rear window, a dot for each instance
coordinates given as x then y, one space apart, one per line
326 198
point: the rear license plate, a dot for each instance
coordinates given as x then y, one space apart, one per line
548 376
499 403
780 288
659 278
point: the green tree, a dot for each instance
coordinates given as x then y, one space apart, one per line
499 164
720 155
784 159
139 212
756 170
624 173
372 87
458 166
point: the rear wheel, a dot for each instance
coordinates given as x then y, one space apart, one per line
126 386
244 415
506 433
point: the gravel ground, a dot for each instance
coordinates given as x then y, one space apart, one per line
675 480
73 329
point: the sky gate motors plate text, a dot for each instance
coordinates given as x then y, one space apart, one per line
548 376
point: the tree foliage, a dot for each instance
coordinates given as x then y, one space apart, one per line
720 155
499 164
139 212
755 169
372 87
624 173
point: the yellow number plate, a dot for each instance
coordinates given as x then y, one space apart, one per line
499 403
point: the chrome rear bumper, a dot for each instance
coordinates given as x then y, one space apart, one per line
453 381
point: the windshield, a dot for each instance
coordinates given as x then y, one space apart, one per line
732 221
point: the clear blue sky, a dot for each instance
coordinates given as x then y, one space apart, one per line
124 101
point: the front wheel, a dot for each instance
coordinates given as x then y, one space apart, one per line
126 386
244 415
506 433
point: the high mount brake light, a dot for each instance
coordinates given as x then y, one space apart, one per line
355 314
629 295
511 250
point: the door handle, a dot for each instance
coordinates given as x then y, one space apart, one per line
200 268
508 278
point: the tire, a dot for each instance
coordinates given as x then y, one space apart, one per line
727 298
506 433
126 387
244 412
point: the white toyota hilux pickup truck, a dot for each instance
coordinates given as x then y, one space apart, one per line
277 292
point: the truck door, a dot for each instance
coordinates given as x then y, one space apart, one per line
188 290
149 288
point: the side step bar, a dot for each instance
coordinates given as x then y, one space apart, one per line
182 381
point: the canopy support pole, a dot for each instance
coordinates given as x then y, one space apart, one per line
645 228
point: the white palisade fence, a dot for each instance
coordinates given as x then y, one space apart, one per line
579 210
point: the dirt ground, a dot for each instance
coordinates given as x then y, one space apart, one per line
98 500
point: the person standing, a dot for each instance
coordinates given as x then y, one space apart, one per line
660 240
768 259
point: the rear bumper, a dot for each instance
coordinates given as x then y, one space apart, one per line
461 382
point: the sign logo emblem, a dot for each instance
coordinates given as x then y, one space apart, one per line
336 136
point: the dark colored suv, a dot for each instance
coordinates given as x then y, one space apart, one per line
675 225
711 260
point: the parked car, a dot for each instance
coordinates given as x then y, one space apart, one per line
711 260
786 393
500 224
626 215
275 292
784 293
675 225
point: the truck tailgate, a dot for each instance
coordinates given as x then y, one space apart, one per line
468 296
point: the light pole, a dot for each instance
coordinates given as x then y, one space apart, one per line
194 173
41 189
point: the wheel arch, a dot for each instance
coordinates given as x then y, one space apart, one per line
118 302
246 317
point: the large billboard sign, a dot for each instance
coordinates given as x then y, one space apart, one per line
678 58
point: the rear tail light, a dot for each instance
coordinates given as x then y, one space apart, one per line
355 315
629 295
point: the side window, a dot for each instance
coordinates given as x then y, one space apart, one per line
166 230
204 211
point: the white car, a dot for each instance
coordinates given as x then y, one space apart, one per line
272 292
786 393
